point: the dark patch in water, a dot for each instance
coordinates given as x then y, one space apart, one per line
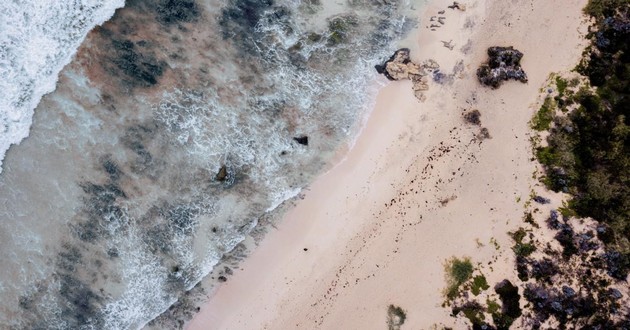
136 139
113 253
81 305
111 168
239 19
136 69
100 207
68 258
166 222
177 11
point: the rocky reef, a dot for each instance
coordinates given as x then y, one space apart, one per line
400 67
504 64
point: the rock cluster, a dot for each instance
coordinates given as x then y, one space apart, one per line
504 64
400 67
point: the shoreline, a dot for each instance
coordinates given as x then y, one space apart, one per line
415 189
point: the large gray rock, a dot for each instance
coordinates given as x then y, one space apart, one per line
504 64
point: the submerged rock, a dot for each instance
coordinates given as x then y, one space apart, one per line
504 64
222 174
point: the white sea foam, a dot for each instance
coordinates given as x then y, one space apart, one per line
37 39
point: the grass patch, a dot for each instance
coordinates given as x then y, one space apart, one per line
396 317
529 218
521 248
458 271
479 284
543 118
561 85
493 306
473 311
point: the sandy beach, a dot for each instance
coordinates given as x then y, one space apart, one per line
418 187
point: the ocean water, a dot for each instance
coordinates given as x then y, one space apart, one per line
176 126
37 39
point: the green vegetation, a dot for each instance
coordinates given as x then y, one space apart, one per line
493 306
396 317
479 284
599 9
473 311
562 85
494 242
520 248
543 118
529 218
458 271
588 152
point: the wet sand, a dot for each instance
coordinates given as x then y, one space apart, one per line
418 187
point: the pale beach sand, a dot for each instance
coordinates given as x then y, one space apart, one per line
416 189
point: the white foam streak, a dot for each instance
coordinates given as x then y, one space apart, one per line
37 39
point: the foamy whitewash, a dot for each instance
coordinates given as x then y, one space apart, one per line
37 39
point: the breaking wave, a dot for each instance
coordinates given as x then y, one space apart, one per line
37 39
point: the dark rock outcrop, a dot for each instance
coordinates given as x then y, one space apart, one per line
302 139
504 64
222 175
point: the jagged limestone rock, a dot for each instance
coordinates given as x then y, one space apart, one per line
503 64
400 67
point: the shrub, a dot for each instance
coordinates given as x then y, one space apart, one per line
520 248
458 271
543 118
588 155
479 284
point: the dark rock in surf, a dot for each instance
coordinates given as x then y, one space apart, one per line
222 174
504 64
303 140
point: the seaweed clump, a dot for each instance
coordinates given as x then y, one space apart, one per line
396 317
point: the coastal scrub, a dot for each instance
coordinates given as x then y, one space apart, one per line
458 271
